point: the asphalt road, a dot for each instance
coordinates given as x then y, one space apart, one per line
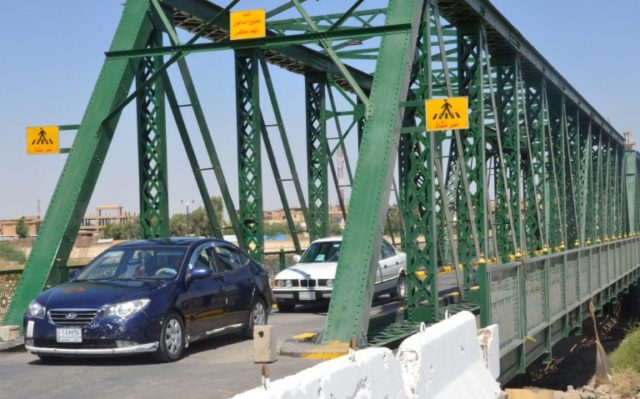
218 368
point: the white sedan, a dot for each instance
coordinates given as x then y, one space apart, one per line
311 278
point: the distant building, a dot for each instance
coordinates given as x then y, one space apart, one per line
91 224
8 227
105 215
279 216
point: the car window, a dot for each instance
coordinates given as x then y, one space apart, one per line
228 258
387 250
325 251
203 257
159 262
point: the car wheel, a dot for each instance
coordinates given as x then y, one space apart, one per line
401 288
172 338
286 307
257 317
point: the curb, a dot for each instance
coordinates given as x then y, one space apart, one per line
15 345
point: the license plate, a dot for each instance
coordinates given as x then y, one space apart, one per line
69 334
307 296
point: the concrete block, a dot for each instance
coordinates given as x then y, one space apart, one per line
374 374
264 344
489 339
8 333
445 362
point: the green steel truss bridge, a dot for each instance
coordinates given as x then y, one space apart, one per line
533 205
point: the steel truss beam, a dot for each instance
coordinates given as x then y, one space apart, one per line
152 148
249 125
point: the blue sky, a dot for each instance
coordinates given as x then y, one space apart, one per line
52 53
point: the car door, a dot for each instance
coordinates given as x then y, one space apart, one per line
204 302
390 262
239 282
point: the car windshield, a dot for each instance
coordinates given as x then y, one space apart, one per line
158 263
326 251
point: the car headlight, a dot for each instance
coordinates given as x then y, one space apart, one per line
126 309
35 310
329 283
288 283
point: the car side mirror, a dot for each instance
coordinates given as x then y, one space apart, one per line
73 273
296 258
200 273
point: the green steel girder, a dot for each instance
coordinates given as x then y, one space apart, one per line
152 148
417 178
508 168
473 163
534 171
249 125
317 156
79 175
353 290
191 156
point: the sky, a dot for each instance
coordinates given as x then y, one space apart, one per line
52 53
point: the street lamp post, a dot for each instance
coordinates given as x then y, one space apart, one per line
186 204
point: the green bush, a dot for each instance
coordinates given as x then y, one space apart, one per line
627 355
10 253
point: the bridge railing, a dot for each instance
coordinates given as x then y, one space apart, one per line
538 301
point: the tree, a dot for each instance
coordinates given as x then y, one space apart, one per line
122 231
393 216
197 222
22 230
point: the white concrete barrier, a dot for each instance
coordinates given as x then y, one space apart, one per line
445 362
489 340
375 373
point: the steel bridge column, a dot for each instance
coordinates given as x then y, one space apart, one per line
630 181
471 83
249 164
535 174
152 148
508 114
80 173
351 302
317 156
417 186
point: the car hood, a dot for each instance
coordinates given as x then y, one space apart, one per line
316 270
95 294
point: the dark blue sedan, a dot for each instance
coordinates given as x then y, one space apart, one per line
154 296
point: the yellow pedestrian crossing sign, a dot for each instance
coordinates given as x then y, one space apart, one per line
43 140
447 113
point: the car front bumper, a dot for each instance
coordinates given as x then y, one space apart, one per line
301 296
143 348
108 336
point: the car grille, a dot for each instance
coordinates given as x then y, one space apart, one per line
307 283
72 317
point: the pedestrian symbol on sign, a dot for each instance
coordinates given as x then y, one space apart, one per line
447 113
42 139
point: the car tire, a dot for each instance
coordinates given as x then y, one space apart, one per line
257 316
286 307
172 339
401 287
